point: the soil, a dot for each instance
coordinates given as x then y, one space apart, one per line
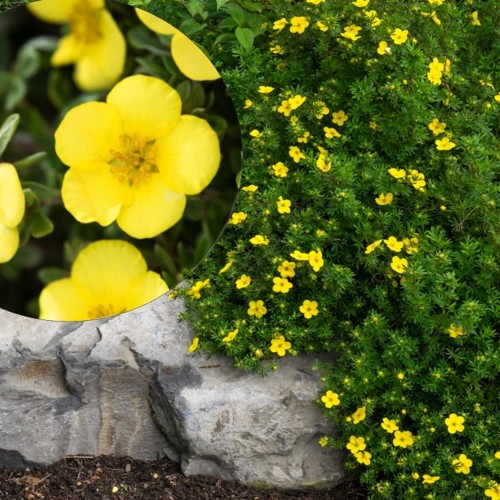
127 479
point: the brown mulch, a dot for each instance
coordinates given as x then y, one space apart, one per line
124 479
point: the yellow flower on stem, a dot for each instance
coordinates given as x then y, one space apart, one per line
134 158
462 464
455 423
316 260
12 207
399 36
389 425
108 277
398 264
309 308
230 336
455 331
256 308
94 43
243 281
351 32
194 291
194 345
188 57
383 49
393 244
330 399
283 205
397 173
384 199
281 285
298 24
339 117
493 491
363 457
444 144
372 246
427 479
280 345
286 269
403 439
359 415
356 444
436 126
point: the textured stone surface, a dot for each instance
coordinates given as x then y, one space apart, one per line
126 386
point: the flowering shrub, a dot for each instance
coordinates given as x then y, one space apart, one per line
115 128
366 225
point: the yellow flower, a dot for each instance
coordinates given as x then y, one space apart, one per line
316 260
399 36
437 127
131 159
230 336
356 444
415 475
351 32
330 399
426 479
194 291
283 205
286 269
280 24
339 117
298 255
256 133
297 101
265 90
188 57
397 173
12 207
370 248
94 43
462 464
475 18
403 439
321 26
455 331
298 24
194 345
279 169
243 281
383 49
363 457
281 285
296 154
309 308
436 66
285 108
108 277
493 491
256 308
435 77
398 264
250 189
389 425
361 3
393 244
315 2
237 218
454 423
359 415
277 49
330 132
444 144
323 441
322 165
384 199
258 239
248 104
226 267
279 345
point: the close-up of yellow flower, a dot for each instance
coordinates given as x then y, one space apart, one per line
279 345
331 133
399 265
108 277
372 246
279 169
384 199
94 43
281 285
309 308
283 205
436 126
287 269
330 399
393 244
363 457
188 57
316 260
134 158
265 89
383 48
493 491
351 32
359 415
256 308
454 423
339 117
298 24
258 239
403 439
462 464
389 425
444 144
230 336
279 24
296 154
194 291
237 218
243 281
194 344
455 331
361 3
399 36
12 208
356 444
427 479
397 173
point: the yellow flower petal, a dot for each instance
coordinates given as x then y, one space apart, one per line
12 202
69 50
95 196
191 60
86 135
60 302
103 271
144 289
148 106
155 208
52 11
189 157
103 61
156 24
9 243
188 57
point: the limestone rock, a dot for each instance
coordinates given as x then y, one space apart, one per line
126 386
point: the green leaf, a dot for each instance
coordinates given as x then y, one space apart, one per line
7 130
30 160
141 38
27 63
16 93
166 260
49 274
41 225
41 190
245 36
203 245
221 3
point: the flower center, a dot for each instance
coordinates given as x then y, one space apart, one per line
136 159
101 311
85 23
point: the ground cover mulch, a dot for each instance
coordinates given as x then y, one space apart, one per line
124 478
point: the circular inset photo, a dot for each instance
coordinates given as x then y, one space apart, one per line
119 152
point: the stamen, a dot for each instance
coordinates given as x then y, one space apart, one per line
84 22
